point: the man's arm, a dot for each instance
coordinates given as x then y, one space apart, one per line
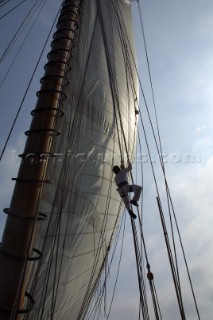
122 166
129 168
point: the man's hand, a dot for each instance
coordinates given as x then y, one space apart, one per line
129 165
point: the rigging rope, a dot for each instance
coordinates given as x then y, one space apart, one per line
150 77
150 275
113 83
22 279
173 267
23 42
28 87
163 168
3 3
143 301
159 149
11 10
138 251
97 304
18 32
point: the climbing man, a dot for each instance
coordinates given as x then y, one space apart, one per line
121 181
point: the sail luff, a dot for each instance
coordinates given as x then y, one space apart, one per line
19 231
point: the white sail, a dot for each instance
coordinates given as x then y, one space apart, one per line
97 130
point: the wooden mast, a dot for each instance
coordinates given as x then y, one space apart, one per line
16 247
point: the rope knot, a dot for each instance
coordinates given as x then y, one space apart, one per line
150 275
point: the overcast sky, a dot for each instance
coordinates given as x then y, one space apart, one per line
179 37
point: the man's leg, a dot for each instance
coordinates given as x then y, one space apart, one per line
137 192
125 199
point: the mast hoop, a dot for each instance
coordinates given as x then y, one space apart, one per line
62 96
55 76
77 6
53 43
42 155
20 311
56 51
41 216
64 30
52 132
75 22
48 64
32 181
62 37
60 112
12 256
73 29
68 5
61 34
